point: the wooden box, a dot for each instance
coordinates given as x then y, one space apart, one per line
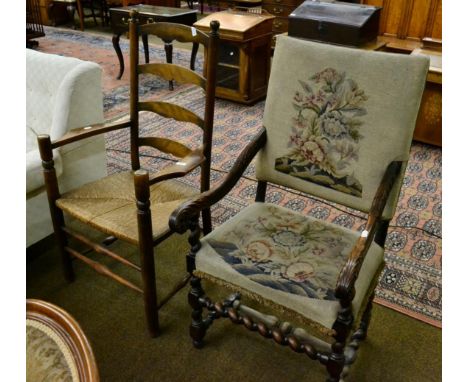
335 22
244 54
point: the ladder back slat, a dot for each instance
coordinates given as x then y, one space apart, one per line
165 145
173 72
170 31
169 110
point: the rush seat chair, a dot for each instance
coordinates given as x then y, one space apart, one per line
135 206
338 125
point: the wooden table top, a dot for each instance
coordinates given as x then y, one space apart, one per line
236 22
154 10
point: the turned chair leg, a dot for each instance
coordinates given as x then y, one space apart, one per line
336 362
53 193
58 222
197 327
149 290
145 240
361 333
342 326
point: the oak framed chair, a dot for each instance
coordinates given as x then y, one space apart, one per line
134 206
338 125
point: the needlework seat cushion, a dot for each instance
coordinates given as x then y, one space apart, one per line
109 205
48 357
282 258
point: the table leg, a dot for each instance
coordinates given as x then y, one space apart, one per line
194 55
79 8
168 49
115 42
144 38
71 13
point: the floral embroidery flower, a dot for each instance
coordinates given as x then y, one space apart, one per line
333 125
259 251
299 272
323 144
288 239
312 151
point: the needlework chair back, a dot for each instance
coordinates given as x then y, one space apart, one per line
334 128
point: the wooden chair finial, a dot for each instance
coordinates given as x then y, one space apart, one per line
134 15
214 25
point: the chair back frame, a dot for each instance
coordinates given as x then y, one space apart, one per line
182 33
142 182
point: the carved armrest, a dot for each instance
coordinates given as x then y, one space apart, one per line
182 216
89 131
349 273
185 165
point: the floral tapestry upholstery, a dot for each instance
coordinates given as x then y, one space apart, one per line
288 258
336 117
48 358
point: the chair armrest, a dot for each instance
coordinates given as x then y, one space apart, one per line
181 168
89 131
181 217
350 271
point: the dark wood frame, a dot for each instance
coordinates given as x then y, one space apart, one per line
192 159
70 332
186 218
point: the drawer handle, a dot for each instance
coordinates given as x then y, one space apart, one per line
277 11
150 20
277 24
125 21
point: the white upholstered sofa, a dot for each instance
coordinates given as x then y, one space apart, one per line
62 93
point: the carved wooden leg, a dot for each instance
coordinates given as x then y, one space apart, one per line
51 13
361 333
206 219
342 326
115 42
197 327
79 8
144 38
93 13
53 193
193 56
145 241
168 49
71 13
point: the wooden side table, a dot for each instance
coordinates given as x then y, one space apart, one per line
148 14
244 54
429 123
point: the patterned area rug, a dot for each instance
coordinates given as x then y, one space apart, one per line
411 282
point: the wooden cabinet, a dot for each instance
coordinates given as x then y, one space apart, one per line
429 123
244 54
405 25
410 19
281 10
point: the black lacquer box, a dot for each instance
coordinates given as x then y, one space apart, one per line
335 22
